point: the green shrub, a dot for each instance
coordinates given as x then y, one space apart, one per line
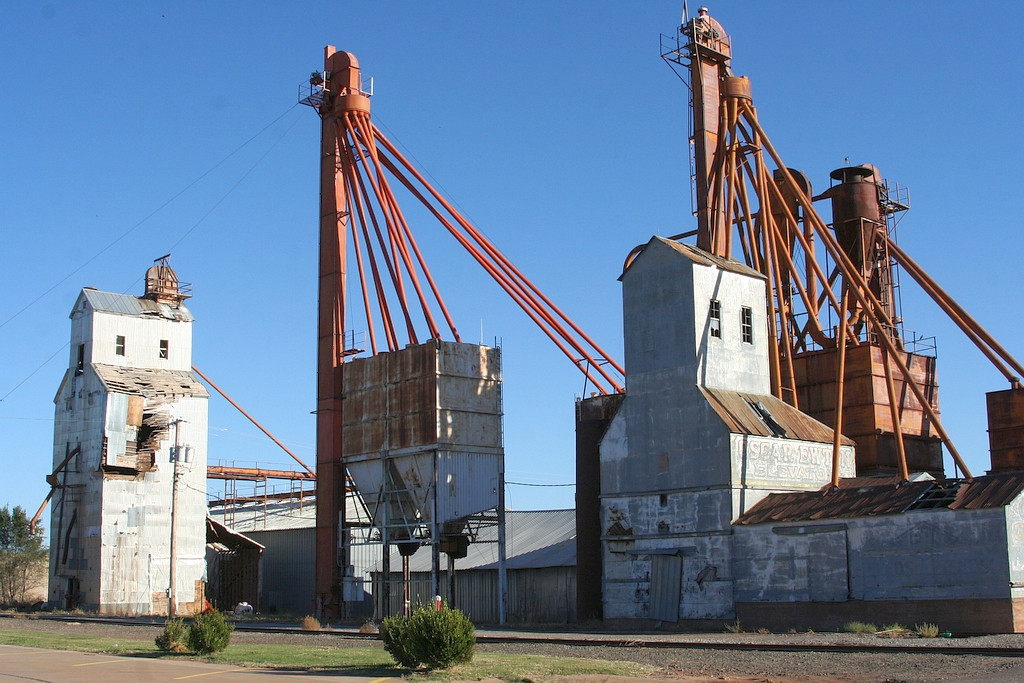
209 633
927 630
859 627
396 634
173 637
435 638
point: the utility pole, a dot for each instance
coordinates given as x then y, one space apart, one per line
172 593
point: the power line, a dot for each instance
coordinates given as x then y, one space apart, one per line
150 215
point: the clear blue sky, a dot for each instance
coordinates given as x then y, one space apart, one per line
555 126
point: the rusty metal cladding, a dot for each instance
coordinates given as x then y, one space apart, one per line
806 506
1006 429
863 497
254 473
867 417
990 491
433 413
739 412
593 417
341 94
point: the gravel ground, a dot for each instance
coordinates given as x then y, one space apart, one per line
691 664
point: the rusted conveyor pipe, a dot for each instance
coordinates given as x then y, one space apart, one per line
514 289
865 297
977 334
497 256
255 473
397 226
512 281
253 420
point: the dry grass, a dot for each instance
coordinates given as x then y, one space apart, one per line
859 627
927 630
311 623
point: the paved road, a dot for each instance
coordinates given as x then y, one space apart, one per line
61 666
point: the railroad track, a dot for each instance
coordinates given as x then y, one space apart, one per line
589 639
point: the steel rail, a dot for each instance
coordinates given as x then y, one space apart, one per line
588 639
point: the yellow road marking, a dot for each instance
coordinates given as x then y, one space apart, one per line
210 673
105 661
378 680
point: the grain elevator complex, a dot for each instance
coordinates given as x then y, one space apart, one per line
770 451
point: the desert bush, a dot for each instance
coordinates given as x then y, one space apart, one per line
173 637
735 627
311 623
435 638
859 627
927 630
208 633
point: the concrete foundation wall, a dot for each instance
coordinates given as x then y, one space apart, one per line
961 617
1015 547
937 554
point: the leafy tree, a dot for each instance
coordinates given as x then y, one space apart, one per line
22 554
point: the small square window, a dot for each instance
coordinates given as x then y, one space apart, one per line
715 316
119 345
747 324
163 349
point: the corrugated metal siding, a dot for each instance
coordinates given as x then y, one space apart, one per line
467 483
476 594
288 570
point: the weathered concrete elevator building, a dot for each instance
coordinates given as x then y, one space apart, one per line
131 417
697 440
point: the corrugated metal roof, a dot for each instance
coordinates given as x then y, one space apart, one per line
865 498
148 382
992 490
740 415
218 533
703 258
128 304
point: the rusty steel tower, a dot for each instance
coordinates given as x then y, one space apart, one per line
408 425
838 347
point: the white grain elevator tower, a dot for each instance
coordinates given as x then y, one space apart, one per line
130 419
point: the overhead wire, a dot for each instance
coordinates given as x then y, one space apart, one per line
150 215
146 218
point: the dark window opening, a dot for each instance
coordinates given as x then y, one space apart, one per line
163 348
766 417
715 315
80 364
663 499
119 345
747 324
